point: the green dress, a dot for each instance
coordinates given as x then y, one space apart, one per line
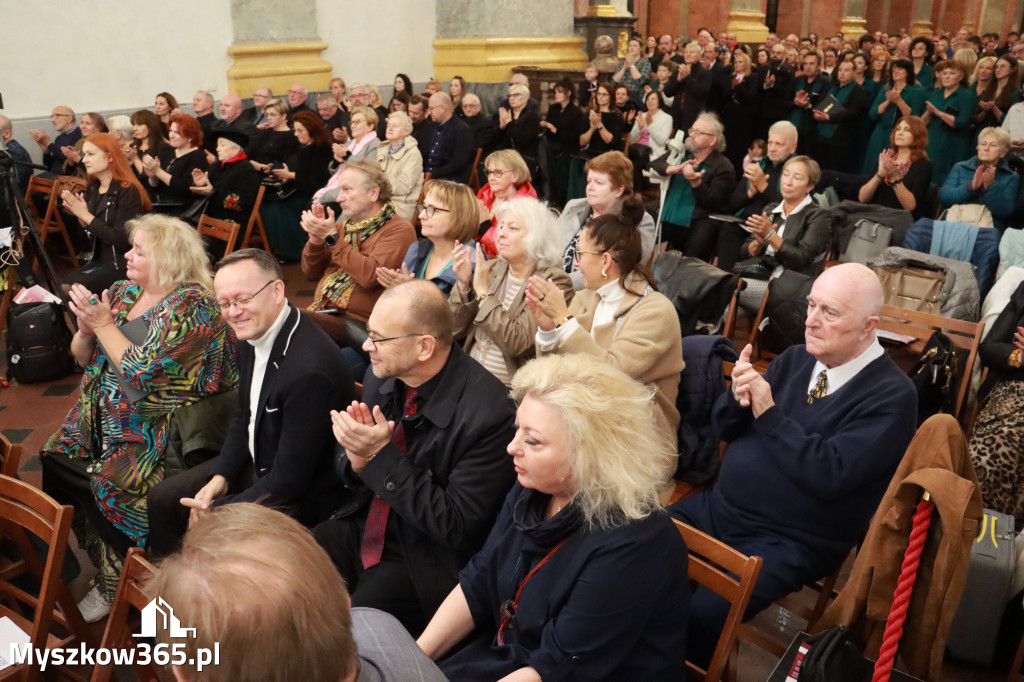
948 146
914 96
926 77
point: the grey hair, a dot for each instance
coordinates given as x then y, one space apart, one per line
121 124
403 119
785 128
1000 135
541 227
716 125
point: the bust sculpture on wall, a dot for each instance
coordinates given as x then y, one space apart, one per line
605 60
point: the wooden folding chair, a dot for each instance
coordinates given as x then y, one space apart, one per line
131 597
51 221
10 457
715 565
419 202
734 305
255 219
223 230
25 510
474 177
921 326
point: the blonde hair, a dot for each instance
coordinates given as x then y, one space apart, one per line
540 226
997 134
368 114
176 251
618 457
228 577
966 56
403 119
514 161
278 105
984 61
463 208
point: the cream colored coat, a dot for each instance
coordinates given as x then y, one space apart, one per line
405 171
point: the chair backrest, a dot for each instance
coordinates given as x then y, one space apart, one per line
223 230
729 574
921 326
131 594
474 175
256 220
45 186
10 457
423 195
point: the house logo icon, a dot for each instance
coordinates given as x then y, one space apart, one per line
159 609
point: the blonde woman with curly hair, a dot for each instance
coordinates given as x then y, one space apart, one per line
582 567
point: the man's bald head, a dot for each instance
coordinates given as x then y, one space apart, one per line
422 308
842 313
230 107
5 127
441 107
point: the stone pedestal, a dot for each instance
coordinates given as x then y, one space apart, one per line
854 25
590 28
482 43
276 44
922 24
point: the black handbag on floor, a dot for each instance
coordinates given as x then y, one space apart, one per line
38 343
933 377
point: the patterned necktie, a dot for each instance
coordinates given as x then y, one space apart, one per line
377 520
820 389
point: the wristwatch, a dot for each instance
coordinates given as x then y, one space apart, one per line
331 239
564 321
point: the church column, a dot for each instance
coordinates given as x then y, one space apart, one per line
276 44
922 24
746 20
482 45
854 24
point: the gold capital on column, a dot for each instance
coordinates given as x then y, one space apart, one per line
748 25
277 66
854 27
922 27
490 60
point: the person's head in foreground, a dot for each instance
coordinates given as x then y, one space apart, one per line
271 599
842 313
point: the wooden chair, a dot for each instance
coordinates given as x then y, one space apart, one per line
715 565
223 230
474 177
25 510
921 326
419 202
10 457
734 305
131 595
51 222
257 220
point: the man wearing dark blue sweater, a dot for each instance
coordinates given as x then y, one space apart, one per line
812 446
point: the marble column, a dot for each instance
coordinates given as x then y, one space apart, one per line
922 24
854 24
276 44
746 20
483 41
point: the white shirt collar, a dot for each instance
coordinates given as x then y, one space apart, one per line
799 207
839 375
266 342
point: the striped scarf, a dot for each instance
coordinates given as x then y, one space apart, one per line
338 287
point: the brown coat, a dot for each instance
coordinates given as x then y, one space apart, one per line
512 330
937 462
384 249
644 341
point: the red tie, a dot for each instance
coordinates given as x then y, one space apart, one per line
377 519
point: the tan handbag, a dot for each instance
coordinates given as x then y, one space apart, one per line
972 214
912 288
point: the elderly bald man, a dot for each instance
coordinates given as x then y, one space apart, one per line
297 100
812 447
450 149
231 118
68 133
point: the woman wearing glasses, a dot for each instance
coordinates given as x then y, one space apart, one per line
519 127
148 346
619 316
448 216
507 177
583 575
489 303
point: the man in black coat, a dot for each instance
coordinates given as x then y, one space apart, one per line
690 85
423 460
775 84
279 449
202 106
451 147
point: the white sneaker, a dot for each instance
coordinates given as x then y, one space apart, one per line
94 606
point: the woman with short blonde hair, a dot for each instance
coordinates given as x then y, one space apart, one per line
584 528
507 177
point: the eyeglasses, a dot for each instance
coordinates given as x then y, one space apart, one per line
495 173
296 92
375 342
694 131
595 253
242 300
429 211
61 116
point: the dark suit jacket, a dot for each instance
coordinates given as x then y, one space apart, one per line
447 491
306 377
691 95
455 147
807 236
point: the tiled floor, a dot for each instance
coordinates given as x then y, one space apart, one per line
30 414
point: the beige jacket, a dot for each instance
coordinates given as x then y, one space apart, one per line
405 171
512 330
644 341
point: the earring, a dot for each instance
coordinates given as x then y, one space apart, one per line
604 273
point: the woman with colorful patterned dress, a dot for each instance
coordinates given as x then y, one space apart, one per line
149 345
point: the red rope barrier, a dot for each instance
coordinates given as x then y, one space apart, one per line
904 588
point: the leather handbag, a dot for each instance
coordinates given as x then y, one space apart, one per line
912 288
933 374
867 242
974 214
834 656
758 267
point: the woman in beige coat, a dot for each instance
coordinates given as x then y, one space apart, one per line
402 161
489 304
618 316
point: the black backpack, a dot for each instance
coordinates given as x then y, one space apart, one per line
38 343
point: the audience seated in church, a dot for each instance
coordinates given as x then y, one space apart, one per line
986 179
231 117
563 124
202 107
422 125
423 460
700 185
489 304
507 177
227 577
609 183
164 105
231 183
812 447
448 218
604 133
689 86
345 254
91 122
450 151
650 134
519 128
334 117
68 133
901 97
274 144
147 141
256 113
618 316
279 449
400 158
298 96
902 174
457 90
608 596
18 153
169 173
